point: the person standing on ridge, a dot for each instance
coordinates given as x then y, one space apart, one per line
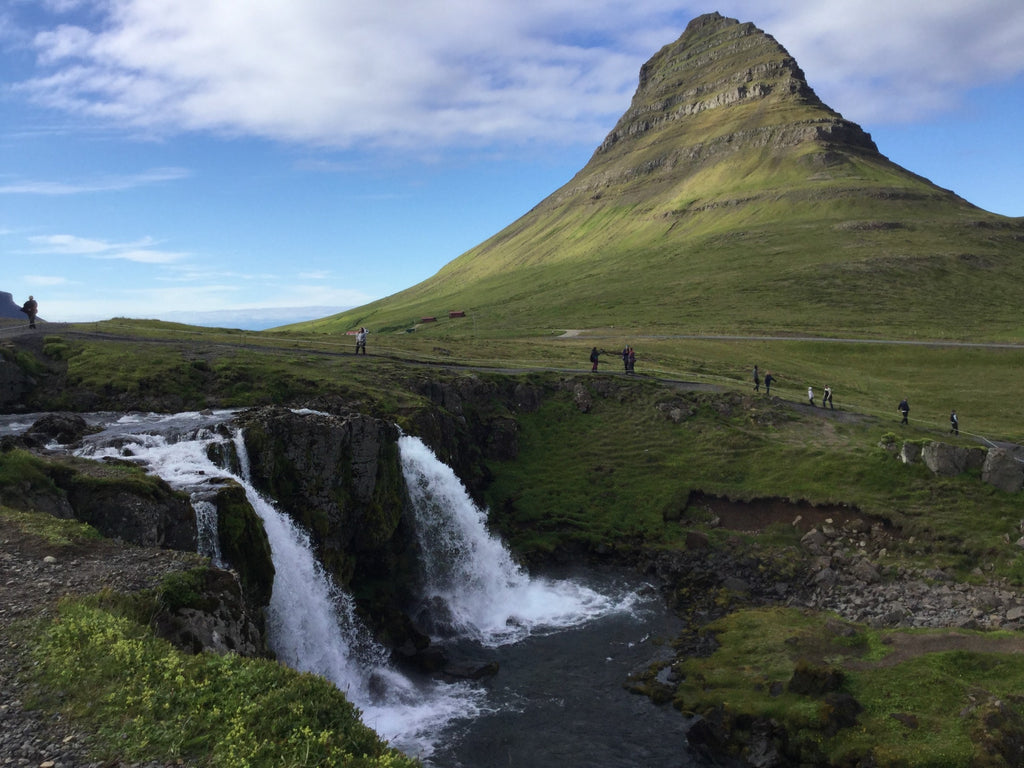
810 395
361 340
954 423
904 408
757 380
625 359
594 356
31 308
826 398
631 361
768 379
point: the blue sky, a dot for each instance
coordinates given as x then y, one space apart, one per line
170 158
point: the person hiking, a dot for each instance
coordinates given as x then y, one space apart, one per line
31 308
904 408
631 361
810 395
625 359
757 380
594 356
826 398
361 340
954 424
768 379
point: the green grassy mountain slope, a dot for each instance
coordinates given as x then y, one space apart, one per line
730 199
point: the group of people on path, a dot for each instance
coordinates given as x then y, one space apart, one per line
826 397
768 379
629 363
904 410
628 358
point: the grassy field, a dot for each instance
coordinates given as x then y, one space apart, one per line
618 478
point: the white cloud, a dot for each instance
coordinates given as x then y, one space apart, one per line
102 184
72 245
876 60
45 280
451 72
391 72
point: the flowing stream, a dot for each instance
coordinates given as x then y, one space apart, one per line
564 644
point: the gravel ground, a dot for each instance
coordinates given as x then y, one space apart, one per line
34 575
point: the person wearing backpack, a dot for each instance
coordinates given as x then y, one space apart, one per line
31 308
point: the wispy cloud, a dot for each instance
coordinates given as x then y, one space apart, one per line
72 245
46 280
100 184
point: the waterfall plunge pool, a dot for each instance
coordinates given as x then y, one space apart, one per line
564 643
559 700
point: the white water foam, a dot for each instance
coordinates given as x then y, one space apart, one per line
311 624
470 575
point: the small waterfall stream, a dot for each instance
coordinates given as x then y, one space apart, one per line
549 633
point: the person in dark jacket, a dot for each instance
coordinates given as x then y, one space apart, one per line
768 379
594 357
757 380
954 424
904 408
31 308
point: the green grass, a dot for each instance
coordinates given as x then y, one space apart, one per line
145 700
617 478
51 530
612 477
762 648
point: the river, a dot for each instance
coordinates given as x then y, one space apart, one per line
564 643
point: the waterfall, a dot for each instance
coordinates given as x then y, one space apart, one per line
472 586
311 624
473 590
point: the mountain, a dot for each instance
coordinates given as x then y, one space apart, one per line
728 198
257 319
8 309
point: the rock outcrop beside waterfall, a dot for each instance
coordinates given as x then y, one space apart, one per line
340 478
117 498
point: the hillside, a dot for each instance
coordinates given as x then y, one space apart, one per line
728 198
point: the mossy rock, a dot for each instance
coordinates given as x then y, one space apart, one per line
244 543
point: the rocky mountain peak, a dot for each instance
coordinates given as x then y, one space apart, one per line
722 86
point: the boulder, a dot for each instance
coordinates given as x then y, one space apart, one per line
910 453
949 460
144 512
64 428
1004 468
212 617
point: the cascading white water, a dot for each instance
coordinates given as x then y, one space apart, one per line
311 624
472 585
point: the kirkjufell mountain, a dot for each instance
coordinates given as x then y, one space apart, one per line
729 199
